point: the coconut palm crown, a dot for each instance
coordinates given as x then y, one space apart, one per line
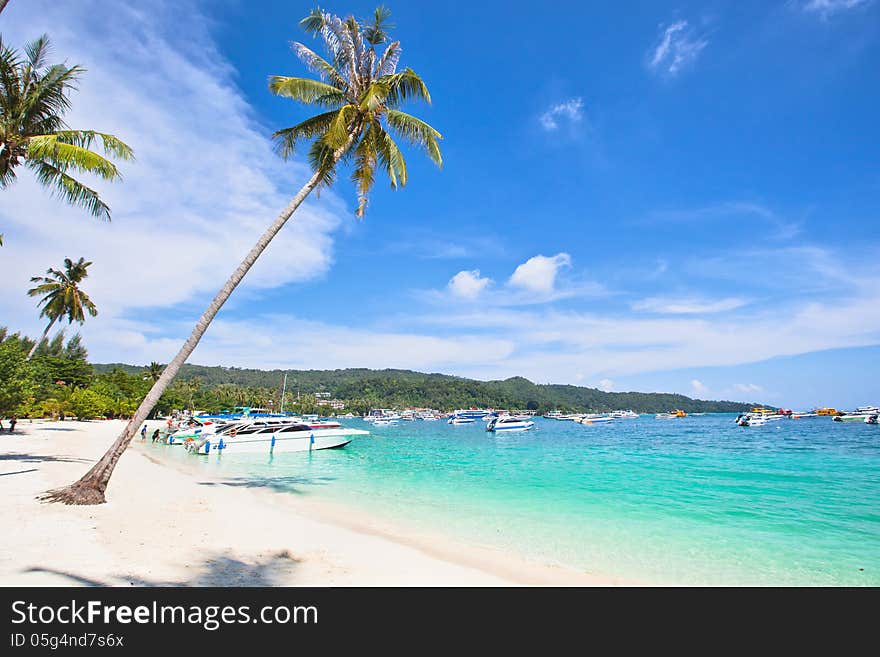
33 99
362 91
61 296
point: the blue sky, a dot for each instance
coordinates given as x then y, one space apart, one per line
635 196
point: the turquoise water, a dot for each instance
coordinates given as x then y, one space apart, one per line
690 501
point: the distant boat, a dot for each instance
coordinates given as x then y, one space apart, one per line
595 419
504 423
461 420
857 415
802 416
826 411
671 415
553 415
624 415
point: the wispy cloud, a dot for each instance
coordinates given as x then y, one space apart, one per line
571 112
191 204
678 48
747 387
699 388
687 305
826 8
784 227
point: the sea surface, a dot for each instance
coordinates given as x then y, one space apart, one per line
696 500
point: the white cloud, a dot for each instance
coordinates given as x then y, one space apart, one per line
699 387
748 387
538 274
204 185
607 385
687 306
571 110
468 284
826 8
677 48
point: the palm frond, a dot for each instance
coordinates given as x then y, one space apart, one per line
387 64
417 132
305 90
393 160
70 189
339 131
319 65
374 96
406 85
377 31
315 126
69 156
110 144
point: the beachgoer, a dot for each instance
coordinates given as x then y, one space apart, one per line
144 432
155 435
12 423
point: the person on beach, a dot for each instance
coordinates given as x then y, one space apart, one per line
12 423
144 432
155 435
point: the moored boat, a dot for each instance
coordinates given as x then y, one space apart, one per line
257 437
504 423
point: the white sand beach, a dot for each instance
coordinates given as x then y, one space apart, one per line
164 526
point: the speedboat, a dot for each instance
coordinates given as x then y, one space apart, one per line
460 420
553 415
595 419
749 420
622 415
665 416
801 416
857 415
509 423
259 437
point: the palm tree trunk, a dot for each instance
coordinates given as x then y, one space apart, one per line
3 4
51 324
90 488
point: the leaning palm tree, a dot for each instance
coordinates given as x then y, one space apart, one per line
33 99
3 4
61 296
361 91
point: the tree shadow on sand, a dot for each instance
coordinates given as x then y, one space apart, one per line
217 570
40 458
289 484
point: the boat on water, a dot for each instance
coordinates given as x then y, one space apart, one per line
553 415
258 437
677 413
380 415
624 415
756 419
826 411
595 419
802 416
505 423
858 415
461 420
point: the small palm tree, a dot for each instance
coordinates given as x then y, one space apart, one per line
61 296
33 100
361 89
153 371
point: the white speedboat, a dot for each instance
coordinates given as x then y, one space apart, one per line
291 437
509 423
624 415
857 415
460 420
595 419
385 422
